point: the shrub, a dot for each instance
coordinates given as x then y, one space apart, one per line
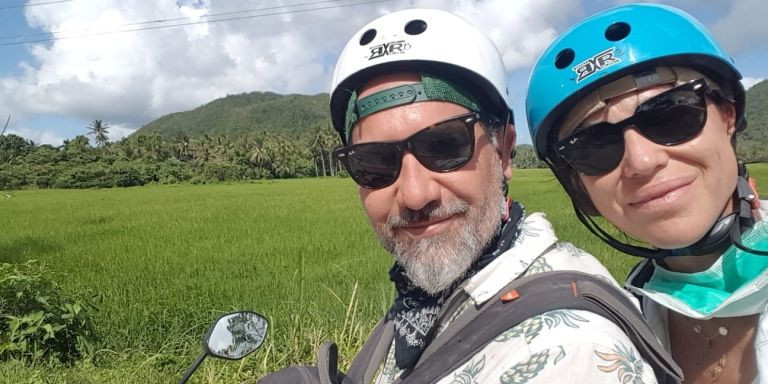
223 171
37 321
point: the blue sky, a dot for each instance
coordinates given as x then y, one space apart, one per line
53 89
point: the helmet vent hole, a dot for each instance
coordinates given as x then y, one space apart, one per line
564 58
367 37
415 27
617 31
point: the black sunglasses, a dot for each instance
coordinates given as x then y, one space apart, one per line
441 147
670 118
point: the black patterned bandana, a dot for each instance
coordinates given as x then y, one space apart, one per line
415 311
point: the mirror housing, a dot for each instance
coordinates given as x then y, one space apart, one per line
235 335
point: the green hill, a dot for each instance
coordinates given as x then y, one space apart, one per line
236 115
753 143
757 113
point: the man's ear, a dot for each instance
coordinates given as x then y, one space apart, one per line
507 142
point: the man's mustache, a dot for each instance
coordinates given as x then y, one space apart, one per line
434 210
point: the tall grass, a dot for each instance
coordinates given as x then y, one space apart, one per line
161 262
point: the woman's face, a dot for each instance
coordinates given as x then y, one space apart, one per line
668 196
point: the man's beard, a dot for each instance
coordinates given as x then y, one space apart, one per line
434 263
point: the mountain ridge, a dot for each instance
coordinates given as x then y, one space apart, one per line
245 113
294 114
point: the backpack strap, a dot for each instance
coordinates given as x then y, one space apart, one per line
535 295
370 357
640 274
328 363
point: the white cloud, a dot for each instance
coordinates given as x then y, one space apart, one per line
118 131
30 131
743 28
39 136
521 29
132 78
748 82
128 79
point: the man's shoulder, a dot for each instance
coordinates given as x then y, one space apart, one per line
560 255
585 346
568 328
564 256
536 249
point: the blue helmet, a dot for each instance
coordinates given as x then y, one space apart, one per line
615 43
629 40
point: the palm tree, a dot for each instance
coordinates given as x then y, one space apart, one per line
180 146
317 149
260 157
100 132
326 140
6 124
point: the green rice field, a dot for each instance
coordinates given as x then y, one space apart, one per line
162 262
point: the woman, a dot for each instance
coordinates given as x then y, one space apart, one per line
636 111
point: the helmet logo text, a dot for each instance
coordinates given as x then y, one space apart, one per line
390 48
595 64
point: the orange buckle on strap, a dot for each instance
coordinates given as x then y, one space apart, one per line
509 296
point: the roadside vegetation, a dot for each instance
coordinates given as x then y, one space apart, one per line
159 263
245 137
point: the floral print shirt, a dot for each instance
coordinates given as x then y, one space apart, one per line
560 346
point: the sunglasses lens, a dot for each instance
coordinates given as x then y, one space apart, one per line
671 118
595 151
444 147
673 125
374 165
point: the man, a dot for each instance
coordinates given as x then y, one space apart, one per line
420 100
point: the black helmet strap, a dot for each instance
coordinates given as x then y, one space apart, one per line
725 232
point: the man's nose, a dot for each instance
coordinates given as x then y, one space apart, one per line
416 186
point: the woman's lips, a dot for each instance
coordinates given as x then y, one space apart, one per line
665 192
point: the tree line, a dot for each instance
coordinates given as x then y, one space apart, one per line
145 159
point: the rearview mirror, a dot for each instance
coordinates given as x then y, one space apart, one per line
235 335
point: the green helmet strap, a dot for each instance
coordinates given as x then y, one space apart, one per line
389 98
430 88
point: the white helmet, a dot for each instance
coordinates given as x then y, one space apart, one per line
422 41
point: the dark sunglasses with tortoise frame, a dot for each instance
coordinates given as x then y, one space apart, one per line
442 147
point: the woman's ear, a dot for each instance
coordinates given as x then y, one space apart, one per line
728 112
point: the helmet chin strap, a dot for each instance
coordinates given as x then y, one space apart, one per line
725 232
746 196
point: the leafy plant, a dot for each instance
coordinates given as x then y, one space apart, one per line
39 322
